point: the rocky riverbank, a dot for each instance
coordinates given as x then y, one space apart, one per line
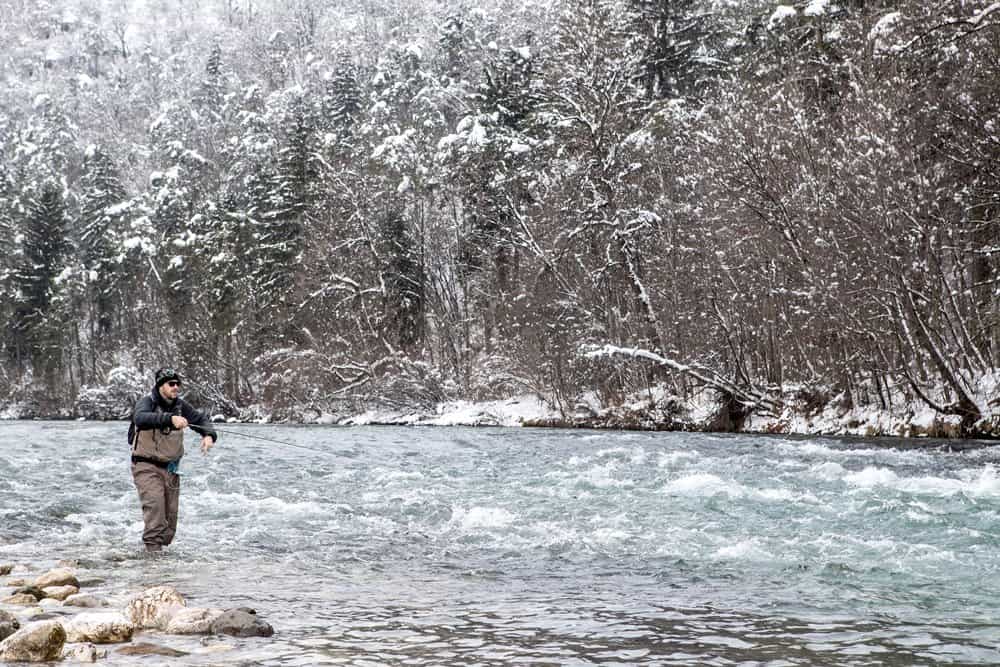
48 616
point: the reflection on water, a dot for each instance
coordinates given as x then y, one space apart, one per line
499 547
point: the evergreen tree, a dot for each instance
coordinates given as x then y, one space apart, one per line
452 41
679 47
492 169
276 60
342 98
808 50
404 280
7 213
295 183
46 146
400 132
282 221
102 204
7 256
213 85
40 259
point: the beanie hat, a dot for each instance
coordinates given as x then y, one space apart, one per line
164 375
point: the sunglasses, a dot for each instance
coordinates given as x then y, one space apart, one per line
173 383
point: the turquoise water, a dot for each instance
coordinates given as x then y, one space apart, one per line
454 546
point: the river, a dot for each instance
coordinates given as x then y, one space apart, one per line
461 546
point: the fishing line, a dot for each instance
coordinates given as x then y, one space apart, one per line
272 440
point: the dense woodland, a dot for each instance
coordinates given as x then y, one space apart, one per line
322 203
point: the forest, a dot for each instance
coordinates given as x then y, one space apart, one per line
328 205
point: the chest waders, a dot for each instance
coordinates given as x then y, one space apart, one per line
159 488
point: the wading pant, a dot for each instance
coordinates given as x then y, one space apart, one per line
159 493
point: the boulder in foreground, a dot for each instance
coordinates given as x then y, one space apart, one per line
36 642
8 624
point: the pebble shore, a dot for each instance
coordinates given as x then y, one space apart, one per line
46 616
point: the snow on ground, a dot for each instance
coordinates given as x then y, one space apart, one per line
912 419
905 419
658 406
11 411
509 412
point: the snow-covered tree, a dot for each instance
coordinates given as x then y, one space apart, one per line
682 47
759 197
40 254
103 205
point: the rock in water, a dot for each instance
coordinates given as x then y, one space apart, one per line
37 592
154 607
5 570
215 647
61 576
239 623
40 615
149 649
193 621
84 653
109 627
8 624
60 592
36 642
84 600
22 599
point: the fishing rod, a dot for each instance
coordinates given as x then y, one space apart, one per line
271 440
265 439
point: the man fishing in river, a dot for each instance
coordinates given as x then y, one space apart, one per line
157 439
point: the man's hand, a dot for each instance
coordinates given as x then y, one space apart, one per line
179 422
206 443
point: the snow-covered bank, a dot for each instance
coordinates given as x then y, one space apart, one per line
653 410
657 411
516 411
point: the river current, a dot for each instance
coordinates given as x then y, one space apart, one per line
460 546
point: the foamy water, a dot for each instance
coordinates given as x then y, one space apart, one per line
459 546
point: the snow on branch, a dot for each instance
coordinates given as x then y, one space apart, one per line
747 395
964 26
980 16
